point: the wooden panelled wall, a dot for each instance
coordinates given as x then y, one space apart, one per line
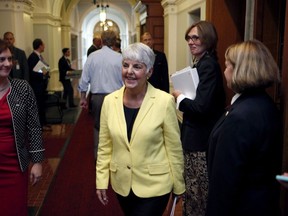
230 31
155 22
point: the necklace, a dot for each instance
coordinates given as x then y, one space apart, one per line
4 88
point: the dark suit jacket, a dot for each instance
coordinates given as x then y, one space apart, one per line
91 49
244 157
160 76
200 114
20 70
63 66
37 80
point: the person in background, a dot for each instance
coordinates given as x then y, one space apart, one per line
20 139
39 80
160 76
20 68
102 71
117 46
140 148
64 66
200 114
97 44
245 145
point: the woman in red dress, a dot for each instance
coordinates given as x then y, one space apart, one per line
20 139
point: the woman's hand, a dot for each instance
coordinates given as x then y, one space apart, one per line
176 93
102 196
284 183
36 173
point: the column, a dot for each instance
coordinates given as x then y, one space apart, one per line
48 28
170 33
16 16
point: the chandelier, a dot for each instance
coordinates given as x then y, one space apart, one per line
103 7
106 24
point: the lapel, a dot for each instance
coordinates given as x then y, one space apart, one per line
228 111
140 119
219 122
120 114
68 61
144 109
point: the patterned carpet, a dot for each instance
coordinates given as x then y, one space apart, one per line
55 143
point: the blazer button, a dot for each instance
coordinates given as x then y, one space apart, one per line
128 167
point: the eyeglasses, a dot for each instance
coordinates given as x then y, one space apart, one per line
2 59
194 38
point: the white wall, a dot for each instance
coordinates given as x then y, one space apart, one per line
16 17
178 16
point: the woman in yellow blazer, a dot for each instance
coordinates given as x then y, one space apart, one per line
139 148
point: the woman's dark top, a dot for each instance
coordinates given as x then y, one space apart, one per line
130 116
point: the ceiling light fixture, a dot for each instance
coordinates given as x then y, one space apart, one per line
103 7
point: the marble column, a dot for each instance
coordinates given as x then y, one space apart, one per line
16 17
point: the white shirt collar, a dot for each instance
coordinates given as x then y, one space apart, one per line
235 97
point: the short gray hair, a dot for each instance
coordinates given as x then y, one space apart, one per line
140 52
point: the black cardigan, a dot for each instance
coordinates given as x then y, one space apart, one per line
26 125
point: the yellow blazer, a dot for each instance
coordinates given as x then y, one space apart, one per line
151 164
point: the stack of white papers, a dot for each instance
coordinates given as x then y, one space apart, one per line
73 74
41 67
173 206
186 81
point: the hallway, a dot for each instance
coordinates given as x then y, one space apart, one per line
68 183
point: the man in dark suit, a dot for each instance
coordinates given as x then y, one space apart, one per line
20 68
160 75
39 79
64 66
97 44
117 45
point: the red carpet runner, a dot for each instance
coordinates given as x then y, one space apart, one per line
72 191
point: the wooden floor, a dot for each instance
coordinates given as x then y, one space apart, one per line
36 195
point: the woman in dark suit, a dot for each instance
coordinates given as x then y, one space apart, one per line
200 114
245 145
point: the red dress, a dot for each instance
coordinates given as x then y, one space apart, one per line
13 182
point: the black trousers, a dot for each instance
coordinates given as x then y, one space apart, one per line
96 103
68 91
137 206
39 88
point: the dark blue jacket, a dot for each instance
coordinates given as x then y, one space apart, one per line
244 157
